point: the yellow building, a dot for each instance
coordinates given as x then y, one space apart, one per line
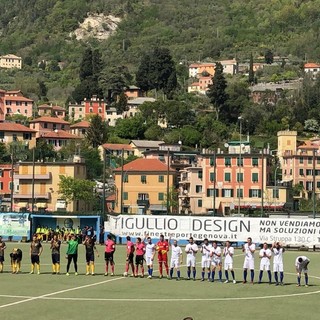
287 144
10 131
10 61
46 186
143 185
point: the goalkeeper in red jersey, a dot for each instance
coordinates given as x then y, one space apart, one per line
162 248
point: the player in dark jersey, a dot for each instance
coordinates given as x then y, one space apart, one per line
55 254
90 249
35 253
2 248
16 257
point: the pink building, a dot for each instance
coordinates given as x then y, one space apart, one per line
59 138
80 129
50 110
48 124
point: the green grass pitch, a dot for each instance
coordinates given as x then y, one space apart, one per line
48 296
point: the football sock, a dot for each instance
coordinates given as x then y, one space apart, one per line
245 272
151 271
252 275
276 277
1 267
107 268
171 272
212 275
281 276
53 268
220 275
38 267
232 273
142 270
269 275
194 274
92 268
306 278
178 273
202 274
160 269
260 275
112 268
87 268
209 275
167 268
57 267
32 267
137 270
227 275
298 278
188 273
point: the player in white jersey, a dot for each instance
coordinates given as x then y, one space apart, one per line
301 265
176 258
205 259
191 250
150 252
265 256
249 248
277 250
228 253
216 256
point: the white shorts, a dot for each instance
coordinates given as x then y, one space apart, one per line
205 262
248 264
216 262
265 266
149 262
228 266
174 263
278 267
191 261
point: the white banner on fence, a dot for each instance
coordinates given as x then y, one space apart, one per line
289 231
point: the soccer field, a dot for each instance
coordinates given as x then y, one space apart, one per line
48 296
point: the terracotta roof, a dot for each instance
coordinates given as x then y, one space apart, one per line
44 106
17 98
194 65
110 198
195 84
11 56
144 165
58 108
49 119
117 146
14 127
13 91
82 124
308 145
311 65
59 134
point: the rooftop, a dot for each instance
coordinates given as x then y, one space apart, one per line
81 124
17 98
144 165
59 134
146 143
311 65
49 119
117 146
141 100
14 127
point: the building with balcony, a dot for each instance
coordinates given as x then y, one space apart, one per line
142 185
46 186
10 61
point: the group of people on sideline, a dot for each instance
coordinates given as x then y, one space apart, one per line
214 258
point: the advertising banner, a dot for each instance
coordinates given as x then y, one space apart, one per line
14 224
289 231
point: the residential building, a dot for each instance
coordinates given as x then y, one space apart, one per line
6 185
117 149
59 138
80 128
46 186
201 86
77 111
10 61
13 102
235 180
133 92
312 69
142 186
51 111
45 124
112 116
140 146
95 106
10 131
193 70
230 66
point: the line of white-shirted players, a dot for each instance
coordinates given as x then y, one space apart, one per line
212 255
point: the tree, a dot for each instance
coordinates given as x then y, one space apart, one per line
217 90
154 132
157 71
4 154
86 66
130 128
44 151
251 72
72 189
311 125
97 133
268 56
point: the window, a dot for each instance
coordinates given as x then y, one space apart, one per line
309 186
301 183
212 161
1 185
212 178
239 161
227 193
14 137
10 185
301 172
90 110
1 135
199 203
239 177
45 125
318 160
318 184
317 172
275 193
309 172
125 178
80 109
1 173
239 193
210 192
160 178
227 161
200 174
301 160
198 189
160 196
309 160
255 177
254 193
143 179
25 111
143 196
100 110
255 162
227 176
125 196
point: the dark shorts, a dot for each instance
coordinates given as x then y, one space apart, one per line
35 259
55 258
89 257
108 256
15 257
130 258
139 260
1 258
